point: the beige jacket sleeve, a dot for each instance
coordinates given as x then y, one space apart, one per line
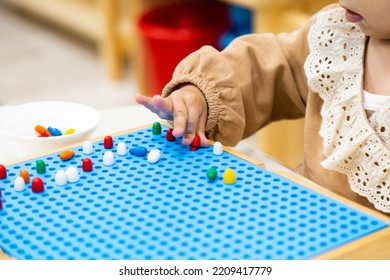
257 79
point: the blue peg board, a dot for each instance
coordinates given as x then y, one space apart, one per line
169 210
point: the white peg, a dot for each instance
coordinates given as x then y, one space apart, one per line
72 174
108 158
19 184
218 149
87 148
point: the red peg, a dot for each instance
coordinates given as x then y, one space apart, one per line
1 204
43 135
87 165
3 172
37 185
195 144
170 136
108 143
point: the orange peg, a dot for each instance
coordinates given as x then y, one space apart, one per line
42 131
25 175
67 155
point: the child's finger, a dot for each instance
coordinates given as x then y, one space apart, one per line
192 124
163 104
204 142
188 138
157 105
147 102
180 116
143 100
163 107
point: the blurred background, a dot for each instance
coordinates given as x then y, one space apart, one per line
102 52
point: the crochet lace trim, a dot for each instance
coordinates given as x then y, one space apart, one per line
352 143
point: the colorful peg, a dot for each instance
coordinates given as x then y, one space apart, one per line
25 175
3 172
154 156
61 178
72 174
66 155
218 149
212 174
37 185
229 176
108 158
40 166
69 131
108 142
87 148
54 131
169 136
139 151
156 128
121 149
87 165
195 144
19 184
42 131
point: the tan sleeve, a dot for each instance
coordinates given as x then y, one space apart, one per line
257 79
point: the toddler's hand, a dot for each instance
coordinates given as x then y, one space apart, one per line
186 106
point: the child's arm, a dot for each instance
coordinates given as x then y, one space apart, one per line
255 80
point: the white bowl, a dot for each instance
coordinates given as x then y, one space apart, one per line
17 126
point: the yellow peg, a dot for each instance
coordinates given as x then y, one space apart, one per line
229 176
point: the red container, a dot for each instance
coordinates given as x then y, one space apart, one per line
168 34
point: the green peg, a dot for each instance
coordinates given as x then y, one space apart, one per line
156 128
212 174
41 166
